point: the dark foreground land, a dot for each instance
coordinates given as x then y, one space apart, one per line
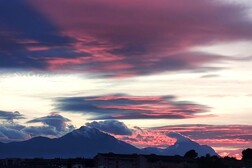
111 160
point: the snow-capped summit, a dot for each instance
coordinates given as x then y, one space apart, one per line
180 138
86 131
184 144
181 146
82 142
87 142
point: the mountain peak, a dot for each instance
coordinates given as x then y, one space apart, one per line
87 142
86 132
83 142
184 144
86 129
178 136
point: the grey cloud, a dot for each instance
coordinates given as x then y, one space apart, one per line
111 126
10 116
210 76
54 125
121 106
55 120
9 133
41 131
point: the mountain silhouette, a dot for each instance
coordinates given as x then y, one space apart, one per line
181 146
83 142
87 142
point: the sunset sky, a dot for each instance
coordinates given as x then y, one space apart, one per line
135 69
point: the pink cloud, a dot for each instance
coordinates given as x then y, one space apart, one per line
121 106
147 138
227 140
125 38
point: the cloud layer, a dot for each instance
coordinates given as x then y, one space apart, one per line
120 106
12 132
117 38
54 125
225 139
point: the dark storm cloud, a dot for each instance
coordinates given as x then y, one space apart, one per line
116 38
121 106
111 126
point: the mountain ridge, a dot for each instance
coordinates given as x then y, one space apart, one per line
87 142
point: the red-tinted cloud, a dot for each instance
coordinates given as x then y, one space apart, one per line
225 139
118 38
121 106
143 36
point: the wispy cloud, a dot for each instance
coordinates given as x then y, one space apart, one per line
120 106
10 116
